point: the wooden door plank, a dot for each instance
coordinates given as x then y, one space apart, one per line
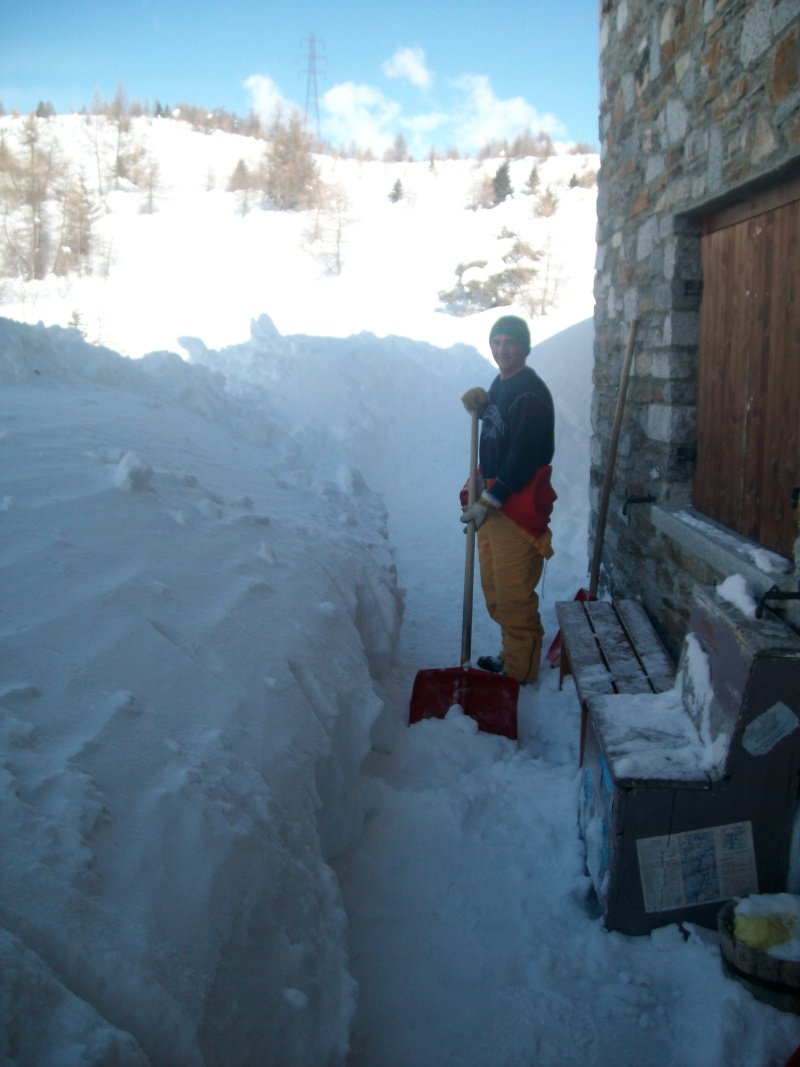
748 382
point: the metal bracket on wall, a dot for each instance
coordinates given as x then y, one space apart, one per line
775 593
649 499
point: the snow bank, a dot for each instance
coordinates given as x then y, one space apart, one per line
188 625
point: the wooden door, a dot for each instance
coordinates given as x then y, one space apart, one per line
748 386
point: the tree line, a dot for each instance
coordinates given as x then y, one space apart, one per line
50 206
207 120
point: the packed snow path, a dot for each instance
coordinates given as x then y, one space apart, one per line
473 931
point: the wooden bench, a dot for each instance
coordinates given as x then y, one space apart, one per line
610 648
688 796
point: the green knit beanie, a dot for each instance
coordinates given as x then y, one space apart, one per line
513 327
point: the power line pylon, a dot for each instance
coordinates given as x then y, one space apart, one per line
312 98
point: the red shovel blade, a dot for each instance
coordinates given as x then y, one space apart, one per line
490 699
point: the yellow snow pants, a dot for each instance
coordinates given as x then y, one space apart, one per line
511 564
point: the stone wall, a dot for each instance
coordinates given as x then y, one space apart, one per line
699 105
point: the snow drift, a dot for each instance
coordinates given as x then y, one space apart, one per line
191 626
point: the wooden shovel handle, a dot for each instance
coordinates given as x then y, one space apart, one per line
469 563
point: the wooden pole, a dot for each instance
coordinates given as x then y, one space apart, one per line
605 496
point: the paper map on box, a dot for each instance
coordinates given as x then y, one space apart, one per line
697 866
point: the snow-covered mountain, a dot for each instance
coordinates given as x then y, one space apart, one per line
197 266
221 565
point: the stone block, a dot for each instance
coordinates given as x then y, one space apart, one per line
699 185
641 202
666 422
783 69
654 168
728 99
756 35
677 120
628 91
646 238
787 108
663 298
784 14
764 141
666 30
683 64
697 143
682 328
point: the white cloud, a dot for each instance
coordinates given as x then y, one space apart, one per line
483 117
266 95
360 114
427 122
409 63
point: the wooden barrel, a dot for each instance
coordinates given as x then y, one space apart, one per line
770 979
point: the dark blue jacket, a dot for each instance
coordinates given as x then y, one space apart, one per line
517 432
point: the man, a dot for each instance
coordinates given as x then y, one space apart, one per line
512 513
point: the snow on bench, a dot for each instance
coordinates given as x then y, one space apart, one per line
611 649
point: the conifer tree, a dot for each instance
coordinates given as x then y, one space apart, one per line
546 203
79 214
290 177
398 153
148 174
532 183
502 183
476 290
241 183
29 181
119 113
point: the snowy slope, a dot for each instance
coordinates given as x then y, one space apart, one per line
197 266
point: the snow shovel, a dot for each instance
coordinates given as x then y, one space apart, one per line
490 699
554 652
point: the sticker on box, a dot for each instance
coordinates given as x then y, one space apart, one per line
763 733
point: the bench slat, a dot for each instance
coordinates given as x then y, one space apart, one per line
588 666
581 647
652 653
598 637
610 649
626 671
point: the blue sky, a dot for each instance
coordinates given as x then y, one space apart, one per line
443 72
